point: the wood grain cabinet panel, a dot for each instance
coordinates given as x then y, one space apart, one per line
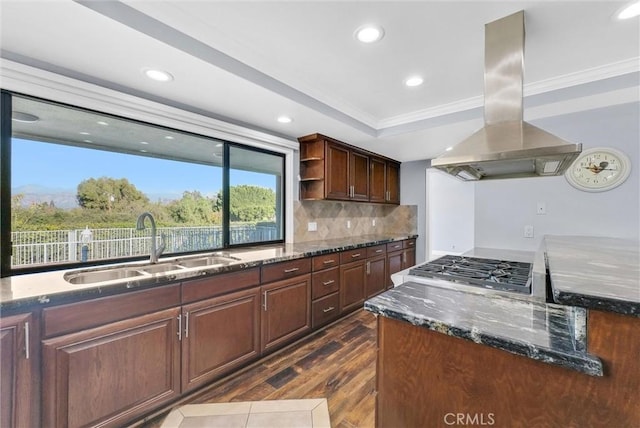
376 269
325 282
359 176
393 183
19 371
377 180
337 172
325 310
283 270
286 311
352 286
220 334
109 375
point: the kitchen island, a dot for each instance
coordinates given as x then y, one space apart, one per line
454 357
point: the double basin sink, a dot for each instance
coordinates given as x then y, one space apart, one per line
141 271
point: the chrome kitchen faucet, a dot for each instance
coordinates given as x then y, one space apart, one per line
155 250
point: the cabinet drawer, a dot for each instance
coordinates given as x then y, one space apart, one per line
326 261
395 246
325 310
95 312
325 282
218 285
285 270
376 250
353 255
409 243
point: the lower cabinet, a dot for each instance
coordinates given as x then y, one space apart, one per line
376 269
219 335
401 255
286 311
19 372
111 374
352 285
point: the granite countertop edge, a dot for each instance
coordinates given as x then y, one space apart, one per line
75 293
596 302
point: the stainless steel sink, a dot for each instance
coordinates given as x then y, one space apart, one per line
207 261
101 275
160 268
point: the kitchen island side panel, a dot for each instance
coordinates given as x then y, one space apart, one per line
426 378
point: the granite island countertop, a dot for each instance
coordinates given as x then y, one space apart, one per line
30 291
595 272
537 330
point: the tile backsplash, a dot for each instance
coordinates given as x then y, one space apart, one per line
331 218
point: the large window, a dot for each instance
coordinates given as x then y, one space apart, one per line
80 179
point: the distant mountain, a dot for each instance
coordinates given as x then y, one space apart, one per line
36 194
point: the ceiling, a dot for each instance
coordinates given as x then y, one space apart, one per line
249 62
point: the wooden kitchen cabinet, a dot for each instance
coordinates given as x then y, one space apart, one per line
352 285
20 372
325 289
331 169
111 374
376 270
400 255
219 335
286 311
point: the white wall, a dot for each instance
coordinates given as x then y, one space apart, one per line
413 187
450 213
504 207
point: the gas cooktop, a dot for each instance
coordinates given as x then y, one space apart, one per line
488 273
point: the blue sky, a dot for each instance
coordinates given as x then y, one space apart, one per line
64 167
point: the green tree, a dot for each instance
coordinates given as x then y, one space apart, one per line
250 203
110 194
192 208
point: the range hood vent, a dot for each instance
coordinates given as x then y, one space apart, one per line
506 147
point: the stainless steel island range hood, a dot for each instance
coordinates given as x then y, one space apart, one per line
506 147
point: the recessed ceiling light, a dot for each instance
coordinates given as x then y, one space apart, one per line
157 75
19 116
168 137
369 33
414 81
102 122
143 151
448 149
85 133
630 11
219 145
285 119
87 141
143 142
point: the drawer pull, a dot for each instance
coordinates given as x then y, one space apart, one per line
353 256
291 270
378 251
328 282
329 309
326 262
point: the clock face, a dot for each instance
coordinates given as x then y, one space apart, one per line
597 170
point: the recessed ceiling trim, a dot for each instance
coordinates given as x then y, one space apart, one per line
133 18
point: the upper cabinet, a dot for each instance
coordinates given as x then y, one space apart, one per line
330 169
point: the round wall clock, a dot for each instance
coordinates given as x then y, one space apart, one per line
599 169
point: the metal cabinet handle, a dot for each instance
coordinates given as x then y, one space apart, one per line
404 257
291 270
368 268
326 262
378 251
186 324
353 256
179 327
328 282
26 340
329 309
264 296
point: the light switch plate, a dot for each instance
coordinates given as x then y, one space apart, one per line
528 231
312 226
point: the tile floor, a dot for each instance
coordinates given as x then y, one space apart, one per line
309 413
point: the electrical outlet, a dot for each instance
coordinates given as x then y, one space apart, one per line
373 222
312 226
541 209
348 224
528 231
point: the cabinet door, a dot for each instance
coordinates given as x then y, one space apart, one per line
359 176
336 176
393 183
19 403
409 258
286 311
219 335
376 269
394 264
352 286
111 374
377 180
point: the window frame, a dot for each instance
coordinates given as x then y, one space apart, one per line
5 191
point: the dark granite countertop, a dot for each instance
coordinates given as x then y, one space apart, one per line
541 331
595 272
30 291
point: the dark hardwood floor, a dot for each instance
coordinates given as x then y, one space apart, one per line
337 363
